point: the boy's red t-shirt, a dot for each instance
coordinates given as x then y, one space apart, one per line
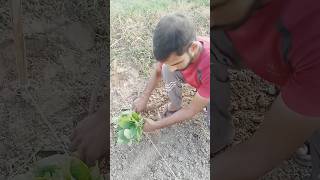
197 74
287 55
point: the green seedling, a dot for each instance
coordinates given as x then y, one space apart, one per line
61 167
129 127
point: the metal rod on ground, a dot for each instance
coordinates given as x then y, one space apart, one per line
16 12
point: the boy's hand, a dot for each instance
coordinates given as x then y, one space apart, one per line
140 104
149 125
89 139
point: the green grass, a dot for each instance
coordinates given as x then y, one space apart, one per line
133 21
131 7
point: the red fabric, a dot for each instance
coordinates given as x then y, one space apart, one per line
259 43
201 64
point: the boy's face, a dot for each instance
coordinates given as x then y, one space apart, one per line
175 62
229 14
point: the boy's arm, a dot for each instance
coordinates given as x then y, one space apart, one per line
197 105
153 81
141 102
281 133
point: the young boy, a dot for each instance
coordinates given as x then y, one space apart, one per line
279 40
182 58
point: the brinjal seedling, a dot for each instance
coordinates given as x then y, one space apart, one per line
129 126
61 167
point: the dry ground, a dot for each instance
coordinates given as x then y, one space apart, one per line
181 151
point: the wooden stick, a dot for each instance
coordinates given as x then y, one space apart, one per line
16 12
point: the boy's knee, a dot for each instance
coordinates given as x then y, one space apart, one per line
166 73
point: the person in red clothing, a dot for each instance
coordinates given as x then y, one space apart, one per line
182 58
279 40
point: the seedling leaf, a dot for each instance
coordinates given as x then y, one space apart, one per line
128 133
61 167
136 116
79 170
129 127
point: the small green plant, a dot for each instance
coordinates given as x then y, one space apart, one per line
129 127
61 167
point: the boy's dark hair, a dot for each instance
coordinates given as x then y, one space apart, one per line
173 33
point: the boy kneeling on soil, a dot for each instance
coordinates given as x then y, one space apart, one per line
182 58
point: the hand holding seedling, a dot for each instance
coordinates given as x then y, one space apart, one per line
128 127
149 125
